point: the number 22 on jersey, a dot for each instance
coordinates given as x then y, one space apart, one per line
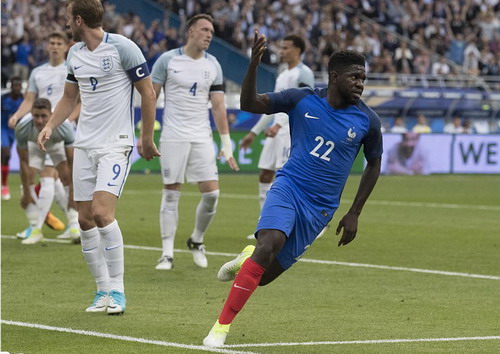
321 140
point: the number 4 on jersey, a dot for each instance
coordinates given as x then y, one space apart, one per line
193 89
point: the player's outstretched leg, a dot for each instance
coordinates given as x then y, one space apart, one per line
244 285
228 271
249 268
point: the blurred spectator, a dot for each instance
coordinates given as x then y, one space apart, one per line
24 57
440 68
455 126
467 127
407 157
399 126
422 127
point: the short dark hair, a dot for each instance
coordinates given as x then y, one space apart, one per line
59 34
15 78
91 11
298 42
340 61
42 103
192 21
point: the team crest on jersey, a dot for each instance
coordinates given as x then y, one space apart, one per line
206 74
106 63
351 134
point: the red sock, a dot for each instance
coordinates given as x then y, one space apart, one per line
37 189
244 284
5 174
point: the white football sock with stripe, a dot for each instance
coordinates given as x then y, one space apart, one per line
112 241
94 256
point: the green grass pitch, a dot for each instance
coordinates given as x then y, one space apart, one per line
410 225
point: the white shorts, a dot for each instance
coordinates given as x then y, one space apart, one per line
56 153
275 152
193 162
104 169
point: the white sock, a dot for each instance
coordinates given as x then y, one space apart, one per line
45 199
94 256
263 188
72 216
204 214
32 214
169 217
112 241
61 195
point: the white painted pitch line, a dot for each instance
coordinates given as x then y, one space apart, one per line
316 261
370 201
122 338
375 341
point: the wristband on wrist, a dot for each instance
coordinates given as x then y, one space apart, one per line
227 147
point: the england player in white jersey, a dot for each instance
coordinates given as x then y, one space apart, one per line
277 144
190 77
47 81
59 148
103 68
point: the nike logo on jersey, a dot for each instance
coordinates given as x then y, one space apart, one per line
77 67
307 115
176 71
112 185
240 287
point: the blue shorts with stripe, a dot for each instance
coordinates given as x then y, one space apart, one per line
284 210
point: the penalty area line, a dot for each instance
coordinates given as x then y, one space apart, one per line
374 341
122 338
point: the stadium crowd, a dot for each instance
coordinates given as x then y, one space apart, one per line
467 32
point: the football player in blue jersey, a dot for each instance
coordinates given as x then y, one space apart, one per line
10 103
327 127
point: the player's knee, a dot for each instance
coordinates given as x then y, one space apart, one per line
85 222
265 280
209 200
101 216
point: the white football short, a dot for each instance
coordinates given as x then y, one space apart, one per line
55 154
275 152
186 161
103 169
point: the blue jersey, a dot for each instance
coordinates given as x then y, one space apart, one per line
324 143
9 107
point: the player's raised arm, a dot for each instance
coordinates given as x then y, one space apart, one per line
63 109
250 100
148 110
